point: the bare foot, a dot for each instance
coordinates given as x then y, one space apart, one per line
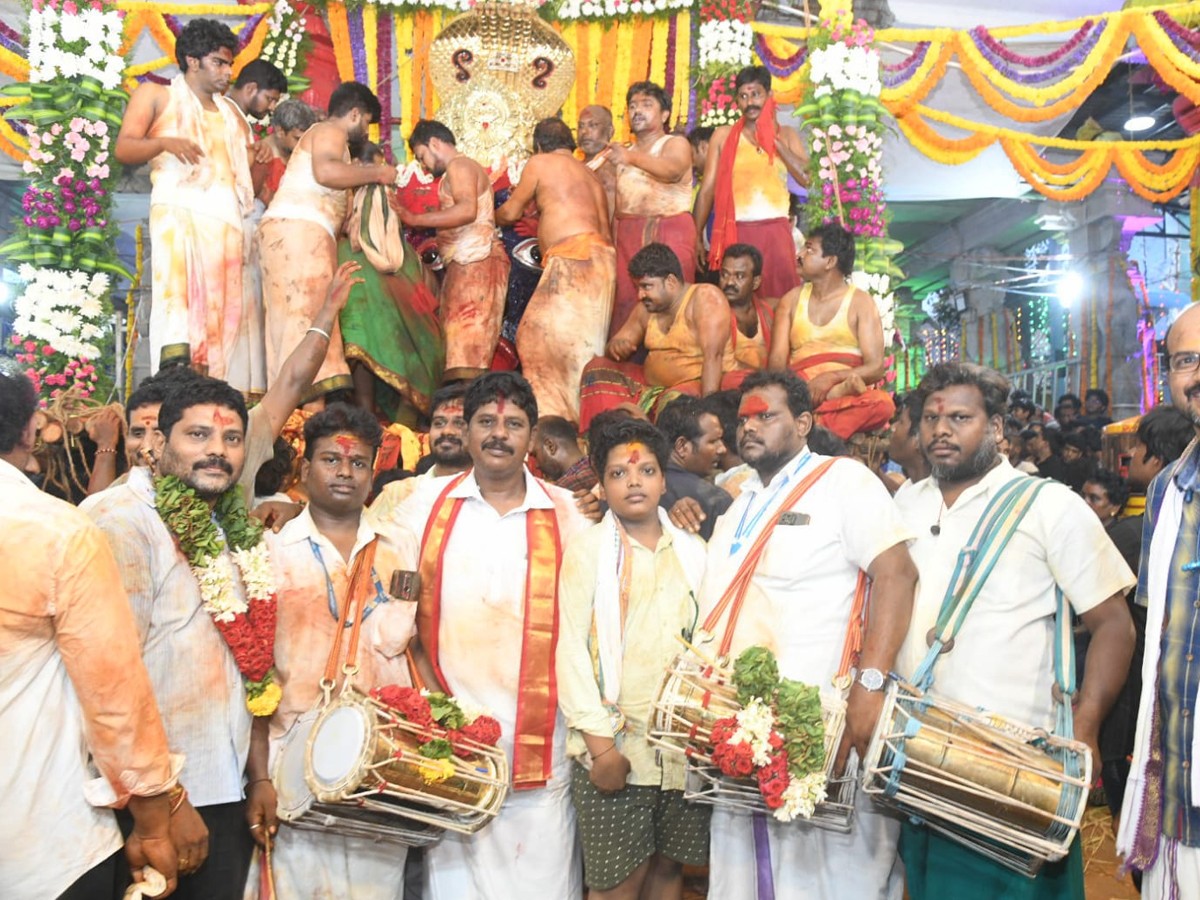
851 387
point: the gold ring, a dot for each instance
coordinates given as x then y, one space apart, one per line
256 825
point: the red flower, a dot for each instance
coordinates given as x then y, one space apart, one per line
484 730
406 701
773 780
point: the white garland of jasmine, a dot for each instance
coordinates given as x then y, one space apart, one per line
724 42
801 796
879 287
755 724
286 31
612 9
216 580
63 309
839 67
96 33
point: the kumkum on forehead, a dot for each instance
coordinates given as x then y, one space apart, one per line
752 406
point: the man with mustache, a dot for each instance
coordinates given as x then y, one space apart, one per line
820 528
746 184
654 192
741 281
197 682
1160 820
488 625
298 235
447 433
475 280
195 140
1002 657
594 133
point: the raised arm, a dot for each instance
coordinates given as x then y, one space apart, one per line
780 350
330 168
712 319
134 144
299 369
464 192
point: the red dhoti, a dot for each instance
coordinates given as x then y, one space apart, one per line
773 238
631 234
850 415
608 385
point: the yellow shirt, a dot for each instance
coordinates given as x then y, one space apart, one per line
661 606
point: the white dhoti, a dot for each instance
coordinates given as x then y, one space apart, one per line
1175 873
320 866
808 863
529 850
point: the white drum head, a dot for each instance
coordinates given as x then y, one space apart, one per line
337 747
291 790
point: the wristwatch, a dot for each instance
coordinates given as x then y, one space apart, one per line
871 680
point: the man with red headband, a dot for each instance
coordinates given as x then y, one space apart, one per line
745 184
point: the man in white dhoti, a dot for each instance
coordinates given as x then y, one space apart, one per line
488 624
314 558
798 605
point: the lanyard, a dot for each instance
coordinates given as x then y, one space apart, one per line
380 596
747 528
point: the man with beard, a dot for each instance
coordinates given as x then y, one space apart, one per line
298 235
830 334
654 192
595 134
314 560
487 621
447 430
745 184
685 330
195 141
566 321
475 280
1002 657
197 679
741 279
1160 820
819 536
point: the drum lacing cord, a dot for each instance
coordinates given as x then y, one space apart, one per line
900 757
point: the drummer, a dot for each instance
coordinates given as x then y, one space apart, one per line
627 591
1001 658
311 558
798 605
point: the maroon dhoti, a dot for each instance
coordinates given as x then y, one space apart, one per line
773 238
631 234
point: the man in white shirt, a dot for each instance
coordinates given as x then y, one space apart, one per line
798 605
488 623
1002 656
313 559
71 683
197 682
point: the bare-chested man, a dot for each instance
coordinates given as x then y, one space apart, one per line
195 141
566 321
685 329
654 193
298 235
595 133
476 274
829 333
745 183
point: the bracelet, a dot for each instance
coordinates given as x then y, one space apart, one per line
612 746
178 795
100 450
321 331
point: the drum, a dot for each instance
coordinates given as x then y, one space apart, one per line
298 807
361 751
1013 793
693 695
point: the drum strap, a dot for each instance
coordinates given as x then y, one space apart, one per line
356 595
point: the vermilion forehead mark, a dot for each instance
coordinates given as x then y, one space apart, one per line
500 401
347 442
450 409
941 406
752 406
221 418
635 454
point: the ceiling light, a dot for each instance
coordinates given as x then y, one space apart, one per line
1139 123
1070 288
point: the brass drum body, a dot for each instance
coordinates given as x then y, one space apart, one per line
996 786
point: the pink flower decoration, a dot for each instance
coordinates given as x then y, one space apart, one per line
70 8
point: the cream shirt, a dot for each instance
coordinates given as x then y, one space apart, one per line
1003 656
800 596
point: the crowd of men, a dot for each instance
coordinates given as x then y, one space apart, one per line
665 446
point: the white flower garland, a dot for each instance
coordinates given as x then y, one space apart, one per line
840 67
216 580
879 287
285 33
724 42
98 32
801 796
613 9
63 309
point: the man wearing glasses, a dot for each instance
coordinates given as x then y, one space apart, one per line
1160 819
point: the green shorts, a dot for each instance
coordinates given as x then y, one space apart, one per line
621 831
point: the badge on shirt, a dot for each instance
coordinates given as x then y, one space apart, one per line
794 518
406 585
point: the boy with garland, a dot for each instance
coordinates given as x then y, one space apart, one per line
627 590
314 558
206 631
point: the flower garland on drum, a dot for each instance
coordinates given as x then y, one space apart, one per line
446 725
248 626
778 737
